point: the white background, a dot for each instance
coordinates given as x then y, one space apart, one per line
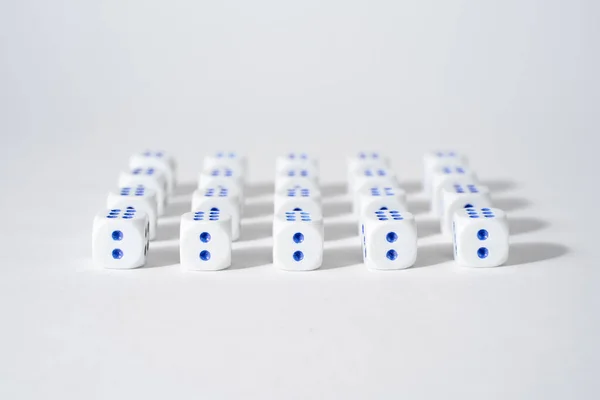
513 84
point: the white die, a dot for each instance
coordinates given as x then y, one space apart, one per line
150 178
205 241
389 239
456 196
445 175
159 160
283 183
227 159
362 161
297 241
295 159
379 199
219 199
287 175
435 159
222 176
480 237
298 199
138 197
120 238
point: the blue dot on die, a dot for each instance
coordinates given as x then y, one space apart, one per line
482 252
205 255
298 255
298 237
205 237
391 237
482 234
117 235
117 254
214 209
473 216
391 255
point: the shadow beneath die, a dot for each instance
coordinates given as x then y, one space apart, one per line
255 210
255 230
177 209
524 225
510 204
167 231
428 227
259 189
162 256
411 186
340 230
185 188
433 254
336 208
341 257
251 257
527 253
416 207
333 189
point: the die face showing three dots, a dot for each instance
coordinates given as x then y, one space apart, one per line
480 237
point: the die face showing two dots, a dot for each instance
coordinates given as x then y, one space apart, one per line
297 199
480 237
160 161
379 198
138 198
296 160
205 241
389 239
219 199
120 238
456 196
450 174
150 178
436 159
297 241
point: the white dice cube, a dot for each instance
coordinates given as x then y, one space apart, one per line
205 241
227 159
389 239
219 199
138 197
456 196
362 161
120 238
298 199
160 161
435 159
295 159
379 198
222 176
481 237
150 178
297 241
449 174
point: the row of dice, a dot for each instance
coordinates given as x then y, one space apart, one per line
298 216
122 232
387 230
479 232
206 233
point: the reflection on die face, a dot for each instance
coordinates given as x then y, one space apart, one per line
298 241
205 241
120 238
389 240
480 237
456 196
140 198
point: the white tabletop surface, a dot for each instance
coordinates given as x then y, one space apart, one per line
513 85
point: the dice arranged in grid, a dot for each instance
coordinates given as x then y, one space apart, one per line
219 199
160 161
480 237
120 238
227 159
436 159
138 198
389 239
205 240
379 198
456 196
449 174
297 241
150 178
297 199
